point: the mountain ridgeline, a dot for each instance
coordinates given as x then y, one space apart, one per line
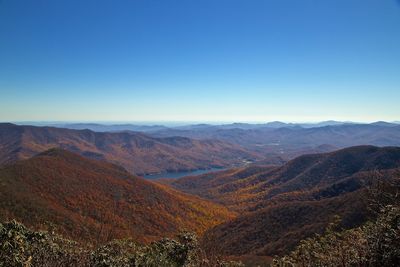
137 152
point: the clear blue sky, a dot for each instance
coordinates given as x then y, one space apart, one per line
199 60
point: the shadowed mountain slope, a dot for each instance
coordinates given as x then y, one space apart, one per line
282 205
96 201
244 188
136 152
278 228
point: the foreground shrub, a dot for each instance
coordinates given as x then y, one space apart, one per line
19 246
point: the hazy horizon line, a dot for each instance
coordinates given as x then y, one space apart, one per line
176 122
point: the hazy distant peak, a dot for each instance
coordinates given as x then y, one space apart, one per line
384 123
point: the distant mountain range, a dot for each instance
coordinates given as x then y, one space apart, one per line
279 206
95 201
289 142
137 152
98 127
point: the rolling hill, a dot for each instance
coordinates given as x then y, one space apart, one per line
137 152
90 200
279 206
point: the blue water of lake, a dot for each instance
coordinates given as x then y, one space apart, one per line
176 175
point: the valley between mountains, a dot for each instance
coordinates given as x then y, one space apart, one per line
85 185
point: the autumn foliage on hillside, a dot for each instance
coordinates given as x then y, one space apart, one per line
280 206
376 243
308 177
136 152
96 201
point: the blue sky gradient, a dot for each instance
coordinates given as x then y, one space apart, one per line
199 60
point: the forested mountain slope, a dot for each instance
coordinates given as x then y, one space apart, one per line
279 206
97 201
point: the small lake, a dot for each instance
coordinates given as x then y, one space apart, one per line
176 175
